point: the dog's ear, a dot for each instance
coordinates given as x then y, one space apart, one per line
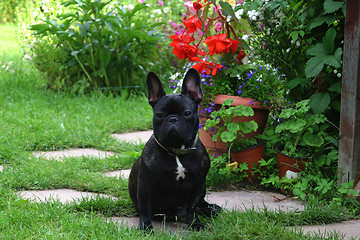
155 88
191 86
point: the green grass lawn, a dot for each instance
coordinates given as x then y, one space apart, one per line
33 118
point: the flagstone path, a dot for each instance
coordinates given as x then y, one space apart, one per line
58 155
239 200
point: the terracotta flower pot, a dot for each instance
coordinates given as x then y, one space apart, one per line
251 156
287 165
261 115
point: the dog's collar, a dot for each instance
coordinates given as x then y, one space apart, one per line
179 151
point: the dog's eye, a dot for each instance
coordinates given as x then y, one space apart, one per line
159 115
187 113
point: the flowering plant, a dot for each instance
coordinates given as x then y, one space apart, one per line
213 41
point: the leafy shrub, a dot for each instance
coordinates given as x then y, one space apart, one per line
88 44
304 40
7 10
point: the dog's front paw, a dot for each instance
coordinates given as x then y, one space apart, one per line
209 210
146 227
196 225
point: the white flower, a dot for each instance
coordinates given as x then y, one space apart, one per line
239 13
157 11
338 75
297 43
188 4
129 7
166 10
245 37
288 50
27 57
335 71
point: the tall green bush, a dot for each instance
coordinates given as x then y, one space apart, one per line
304 38
7 10
87 44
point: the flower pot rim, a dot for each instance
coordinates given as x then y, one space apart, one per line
279 149
259 143
220 98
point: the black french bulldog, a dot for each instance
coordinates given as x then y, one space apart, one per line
169 177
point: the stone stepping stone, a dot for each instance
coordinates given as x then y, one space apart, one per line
63 195
135 137
78 152
348 229
243 200
123 174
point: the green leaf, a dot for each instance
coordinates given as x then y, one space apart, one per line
294 35
226 9
296 126
228 102
331 6
317 50
244 25
248 127
286 113
329 40
233 127
336 87
332 61
242 110
313 140
314 66
228 137
317 118
293 83
338 54
319 102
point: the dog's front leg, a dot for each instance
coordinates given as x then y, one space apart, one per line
191 216
144 202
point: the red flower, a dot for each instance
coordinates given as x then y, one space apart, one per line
241 56
182 49
193 24
197 6
219 43
207 67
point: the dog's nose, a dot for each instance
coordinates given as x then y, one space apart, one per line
173 120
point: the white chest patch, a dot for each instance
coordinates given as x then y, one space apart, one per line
180 169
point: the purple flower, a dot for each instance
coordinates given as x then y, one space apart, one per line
251 102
